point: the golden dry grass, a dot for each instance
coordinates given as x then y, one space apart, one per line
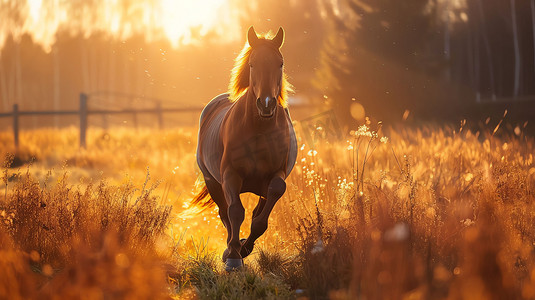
436 212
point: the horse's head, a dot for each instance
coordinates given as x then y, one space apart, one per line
266 71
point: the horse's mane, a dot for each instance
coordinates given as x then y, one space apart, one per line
239 79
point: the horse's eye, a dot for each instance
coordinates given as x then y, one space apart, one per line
282 65
250 66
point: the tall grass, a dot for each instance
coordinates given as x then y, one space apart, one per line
65 242
430 213
441 214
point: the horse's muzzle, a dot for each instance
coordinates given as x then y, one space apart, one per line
266 106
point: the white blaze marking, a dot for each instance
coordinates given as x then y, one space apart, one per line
267 99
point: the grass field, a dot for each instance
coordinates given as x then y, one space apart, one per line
429 213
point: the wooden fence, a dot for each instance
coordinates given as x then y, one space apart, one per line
84 113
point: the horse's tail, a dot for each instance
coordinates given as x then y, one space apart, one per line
203 200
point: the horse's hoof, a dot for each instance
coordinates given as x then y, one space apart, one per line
233 264
225 253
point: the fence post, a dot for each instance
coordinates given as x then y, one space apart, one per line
83 119
16 125
160 115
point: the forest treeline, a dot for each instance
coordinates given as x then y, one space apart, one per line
432 57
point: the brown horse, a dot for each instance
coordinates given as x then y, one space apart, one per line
247 143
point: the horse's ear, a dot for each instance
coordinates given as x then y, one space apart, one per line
252 38
279 38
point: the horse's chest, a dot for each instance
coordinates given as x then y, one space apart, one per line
260 155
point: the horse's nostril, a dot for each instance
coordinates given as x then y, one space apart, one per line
266 103
272 102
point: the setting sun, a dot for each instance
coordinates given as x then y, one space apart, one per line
179 17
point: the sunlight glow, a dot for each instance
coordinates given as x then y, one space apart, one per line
179 17
35 8
180 22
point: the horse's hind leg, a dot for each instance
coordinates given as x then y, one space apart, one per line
259 225
216 192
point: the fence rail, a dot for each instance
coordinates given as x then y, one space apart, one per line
84 112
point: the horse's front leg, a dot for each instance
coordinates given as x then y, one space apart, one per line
246 250
236 213
276 188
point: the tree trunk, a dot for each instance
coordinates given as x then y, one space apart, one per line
85 66
56 63
18 74
111 81
533 29
477 64
101 61
140 83
470 57
487 49
447 41
516 89
11 90
3 86
93 69
126 76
